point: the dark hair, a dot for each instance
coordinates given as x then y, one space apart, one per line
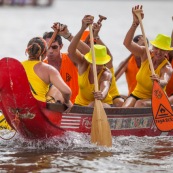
36 47
136 39
49 35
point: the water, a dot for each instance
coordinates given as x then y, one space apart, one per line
74 152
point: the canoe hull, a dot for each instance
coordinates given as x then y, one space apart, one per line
38 120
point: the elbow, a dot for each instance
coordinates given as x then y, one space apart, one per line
69 92
71 53
125 43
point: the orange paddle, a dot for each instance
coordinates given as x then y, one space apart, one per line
161 107
100 129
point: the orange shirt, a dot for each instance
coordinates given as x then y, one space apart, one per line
69 73
132 70
169 86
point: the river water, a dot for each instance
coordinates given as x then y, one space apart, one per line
74 152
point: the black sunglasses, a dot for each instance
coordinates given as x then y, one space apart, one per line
54 47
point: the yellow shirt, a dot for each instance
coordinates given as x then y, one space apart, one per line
38 87
144 85
113 90
85 95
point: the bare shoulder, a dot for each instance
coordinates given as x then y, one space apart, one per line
48 68
107 73
167 68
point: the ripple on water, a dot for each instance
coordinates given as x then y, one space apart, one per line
74 152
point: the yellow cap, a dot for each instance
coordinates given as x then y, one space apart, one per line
162 42
101 55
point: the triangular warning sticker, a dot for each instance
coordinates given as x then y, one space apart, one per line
162 112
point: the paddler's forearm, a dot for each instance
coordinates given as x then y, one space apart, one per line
75 41
82 47
129 36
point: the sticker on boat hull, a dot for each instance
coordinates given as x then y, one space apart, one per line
130 123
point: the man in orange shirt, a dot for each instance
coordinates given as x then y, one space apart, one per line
61 61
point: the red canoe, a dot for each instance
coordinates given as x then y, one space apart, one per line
38 120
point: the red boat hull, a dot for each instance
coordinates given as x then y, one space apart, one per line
38 120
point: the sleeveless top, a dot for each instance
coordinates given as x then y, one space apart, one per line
169 87
144 85
113 90
69 73
85 95
130 73
38 87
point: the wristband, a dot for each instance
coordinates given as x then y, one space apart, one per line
67 36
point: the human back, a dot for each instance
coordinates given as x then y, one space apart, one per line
40 74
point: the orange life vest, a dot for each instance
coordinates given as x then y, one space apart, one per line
130 73
69 73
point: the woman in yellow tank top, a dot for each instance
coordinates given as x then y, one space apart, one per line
141 96
113 92
87 95
117 100
40 74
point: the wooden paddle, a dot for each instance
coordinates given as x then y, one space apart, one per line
101 18
122 65
52 39
100 129
161 107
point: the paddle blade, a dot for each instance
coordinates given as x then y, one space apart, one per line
162 111
100 130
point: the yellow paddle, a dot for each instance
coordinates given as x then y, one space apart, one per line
161 107
100 129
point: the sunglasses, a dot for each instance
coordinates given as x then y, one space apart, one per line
54 47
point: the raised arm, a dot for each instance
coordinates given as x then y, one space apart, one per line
97 39
74 54
133 47
65 33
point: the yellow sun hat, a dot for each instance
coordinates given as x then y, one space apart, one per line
101 55
162 42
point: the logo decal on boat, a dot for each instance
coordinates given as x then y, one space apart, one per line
130 123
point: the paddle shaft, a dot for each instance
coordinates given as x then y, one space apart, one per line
93 59
101 18
137 12
122 65
52 38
